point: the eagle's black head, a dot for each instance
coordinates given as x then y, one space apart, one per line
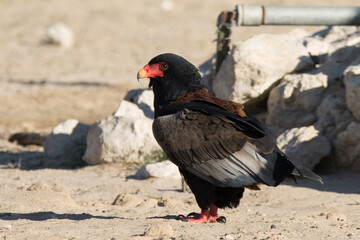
170 76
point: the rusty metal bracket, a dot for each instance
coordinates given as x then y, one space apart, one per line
225 21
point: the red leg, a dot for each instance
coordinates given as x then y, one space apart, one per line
205 216
213 213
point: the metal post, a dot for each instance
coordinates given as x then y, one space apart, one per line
226 20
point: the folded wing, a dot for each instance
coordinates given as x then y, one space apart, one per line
221 147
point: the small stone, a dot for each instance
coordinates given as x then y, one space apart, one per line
149 203
167 5
6 226
164 169
60 189
160 230
40 187
170 203
229 237
59 34
127 200
272 226
336 216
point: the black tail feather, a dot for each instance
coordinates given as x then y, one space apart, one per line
306 173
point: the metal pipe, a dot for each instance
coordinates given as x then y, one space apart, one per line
255 15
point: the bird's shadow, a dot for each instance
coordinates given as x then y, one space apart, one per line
43 216
167 217
338 181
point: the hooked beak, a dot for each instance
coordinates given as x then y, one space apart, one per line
141 74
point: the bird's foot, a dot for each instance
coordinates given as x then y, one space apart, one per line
204 217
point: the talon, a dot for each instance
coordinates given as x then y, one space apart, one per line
192 214
206 216
221 219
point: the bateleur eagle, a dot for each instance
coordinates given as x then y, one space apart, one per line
220 149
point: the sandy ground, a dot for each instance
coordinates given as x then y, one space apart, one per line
78 204
42 85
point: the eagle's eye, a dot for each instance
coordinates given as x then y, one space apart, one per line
163 66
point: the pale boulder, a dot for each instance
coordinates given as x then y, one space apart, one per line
337 63
347 147
129 110
332 113
352 86
67 142
341 36
126 136
304 146
144 98
256 64
293 101
317 48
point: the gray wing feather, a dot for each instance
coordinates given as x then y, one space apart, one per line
214 150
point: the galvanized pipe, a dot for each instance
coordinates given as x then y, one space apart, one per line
255 15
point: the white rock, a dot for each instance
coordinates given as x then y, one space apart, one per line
352 86
144 98
66 127
304 146
164 169
254 65
292 102
229 237
160 231
332 113
128 109
125 136
347 147
167 5
340 37
67 142
290 118
59 34
337 62
316 47
117 139
304 89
